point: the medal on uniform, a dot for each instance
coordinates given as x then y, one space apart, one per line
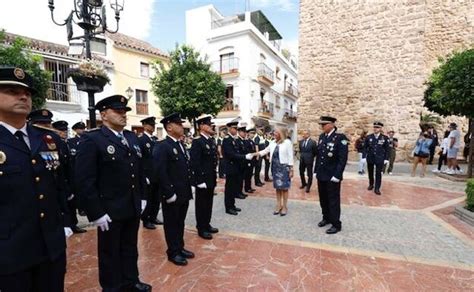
148 145
110 149
3 157
73 151
137 149
49 142
330 154
175 151
207 146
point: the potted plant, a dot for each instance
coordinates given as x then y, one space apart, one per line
89 76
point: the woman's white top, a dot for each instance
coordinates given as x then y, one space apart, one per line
445 145
285 151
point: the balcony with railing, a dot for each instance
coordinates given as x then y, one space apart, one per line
227 67
291 90
290 116
142 108
266 109
64 92
230 109
265 74
218 23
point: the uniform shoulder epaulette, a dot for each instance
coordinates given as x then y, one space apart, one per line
197 137
343 138
45 128
92 130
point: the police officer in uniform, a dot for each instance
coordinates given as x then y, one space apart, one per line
376 154
74 204
241 137
175 179
234 158
33 209
110 183
203 163
41 117
250 147
147 143
222 135
331 161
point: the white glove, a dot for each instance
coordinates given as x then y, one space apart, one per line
335 180
202 186
193 190
103 222
249 156
143 205
314 174
70 197
385 162
172 199
147 181
68 232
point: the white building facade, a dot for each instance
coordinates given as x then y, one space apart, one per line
245 50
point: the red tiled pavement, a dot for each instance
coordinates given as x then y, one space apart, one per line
447 214
354 192
236 264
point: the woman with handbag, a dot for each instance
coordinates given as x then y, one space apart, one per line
422 153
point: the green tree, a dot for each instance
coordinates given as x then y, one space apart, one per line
18 55
450 90
188 86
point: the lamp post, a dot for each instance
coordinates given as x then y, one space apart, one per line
129 92
90 15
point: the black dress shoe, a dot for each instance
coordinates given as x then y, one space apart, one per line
178 260
370 188
76 229
333 230
212 229
250 191
259 184
149 225
242 197
323 223
187 254
140 287
237 209
307 190
205 235
156 222
377 192
231 212
302 187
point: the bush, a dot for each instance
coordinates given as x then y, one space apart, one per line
470 195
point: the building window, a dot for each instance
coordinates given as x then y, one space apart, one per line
60 90
144 70
277 101
230 104
228 63
141 102
277 72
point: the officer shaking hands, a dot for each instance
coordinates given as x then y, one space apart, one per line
204 162
33 207
110 183
331 161
377 154
175 179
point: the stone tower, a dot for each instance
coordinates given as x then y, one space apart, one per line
368 60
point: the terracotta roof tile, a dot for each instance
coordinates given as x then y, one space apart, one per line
128 42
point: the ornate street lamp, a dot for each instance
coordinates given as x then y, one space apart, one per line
129 92
90 15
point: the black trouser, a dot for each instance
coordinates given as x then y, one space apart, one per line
432 153
203 205
442 158
258 169
267 168
308 167
47 276
330 201
241 176
72 206
221 167
152 203
378 174
232 183
118 254
248 173
174 215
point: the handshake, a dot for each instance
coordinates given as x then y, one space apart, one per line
250 156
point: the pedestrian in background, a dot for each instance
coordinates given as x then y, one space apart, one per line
281 153
393 143
308 149
359 145
266 158
434 138
421 153
443 152
453 149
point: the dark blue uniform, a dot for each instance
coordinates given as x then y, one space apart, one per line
174 175
331 161
203 163
234 159
308 150
243 164
109 180
147 145
250 147
266 158
33 212
376 151
221 159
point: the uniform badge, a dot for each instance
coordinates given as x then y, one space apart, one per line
148 145
137 149
49 142
19 73
344 142
73 151
330 154
370 140
110 149
3 157
207 146
175 151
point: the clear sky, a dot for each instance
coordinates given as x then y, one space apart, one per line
161 22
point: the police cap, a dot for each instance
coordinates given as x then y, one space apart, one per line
60 125
326 120
204 119
40 116
79 125
16 76
378 124
173 118
149 121
113 102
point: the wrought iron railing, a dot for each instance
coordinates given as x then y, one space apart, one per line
65 92
265 71
226 65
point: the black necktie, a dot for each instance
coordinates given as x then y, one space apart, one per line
20 137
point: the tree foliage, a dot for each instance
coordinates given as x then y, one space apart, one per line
450 88
188 86
18 55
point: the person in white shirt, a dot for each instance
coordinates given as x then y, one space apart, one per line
281 157
453 149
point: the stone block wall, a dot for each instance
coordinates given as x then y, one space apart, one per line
362 61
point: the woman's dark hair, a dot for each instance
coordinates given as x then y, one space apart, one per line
446 134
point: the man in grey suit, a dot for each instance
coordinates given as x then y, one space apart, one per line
308 150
